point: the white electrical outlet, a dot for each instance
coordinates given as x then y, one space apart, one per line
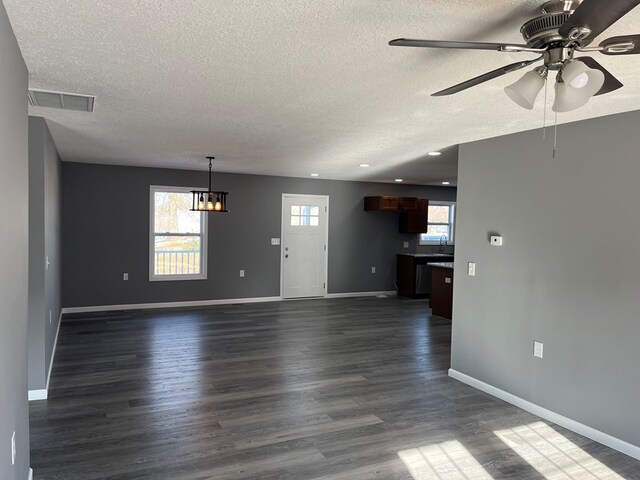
406 244
275 241
242 273
538 349
373 269
471 270
13 448
125 276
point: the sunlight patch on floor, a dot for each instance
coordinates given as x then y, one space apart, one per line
553 455
443 461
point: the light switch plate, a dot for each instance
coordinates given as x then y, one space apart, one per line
447 279
373 269
275 241
125 276
472 269
538 349
242 273
406 244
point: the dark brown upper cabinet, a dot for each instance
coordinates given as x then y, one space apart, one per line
413 211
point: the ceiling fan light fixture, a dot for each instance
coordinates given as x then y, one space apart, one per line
578 83
525 91
577 75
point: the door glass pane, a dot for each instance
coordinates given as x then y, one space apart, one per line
315 211
305 210
314 221
295 209
177 255
295 221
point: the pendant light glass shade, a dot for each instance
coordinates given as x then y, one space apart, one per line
579 83
525 90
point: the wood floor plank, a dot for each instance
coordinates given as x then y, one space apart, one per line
327 389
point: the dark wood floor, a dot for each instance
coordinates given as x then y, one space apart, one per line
315 389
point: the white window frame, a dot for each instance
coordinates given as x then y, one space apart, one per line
451 224
204 230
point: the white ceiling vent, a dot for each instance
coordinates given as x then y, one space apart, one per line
65 101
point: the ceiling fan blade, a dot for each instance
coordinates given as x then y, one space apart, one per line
499 47
597 15
611 83
624 45
484 78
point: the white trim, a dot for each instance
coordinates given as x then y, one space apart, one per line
53 352
145 306
204 303
204 237
43 393
38 394
284 215
30 476
386 293
577 427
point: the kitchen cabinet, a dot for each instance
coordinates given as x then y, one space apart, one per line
390 204
415 221
441 300
413 211
413 276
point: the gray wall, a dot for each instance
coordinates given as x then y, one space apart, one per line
44 241
13 254
105 225
568 274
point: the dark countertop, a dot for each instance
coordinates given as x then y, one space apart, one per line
441 264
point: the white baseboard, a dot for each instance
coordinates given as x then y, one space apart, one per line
42 394
146 306
38 394
205 303
577 427
361 294
30 477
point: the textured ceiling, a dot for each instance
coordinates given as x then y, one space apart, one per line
284 87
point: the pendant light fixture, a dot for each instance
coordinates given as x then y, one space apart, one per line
203 200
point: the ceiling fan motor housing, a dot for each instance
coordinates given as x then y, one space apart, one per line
543 30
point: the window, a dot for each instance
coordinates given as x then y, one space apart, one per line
178 237
305 216
441 222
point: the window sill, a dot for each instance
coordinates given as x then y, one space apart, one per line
174 278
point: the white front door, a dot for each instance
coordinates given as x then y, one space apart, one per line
304 245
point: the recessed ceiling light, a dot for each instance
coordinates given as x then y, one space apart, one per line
446 183
398 180
364 165
434 154
314 174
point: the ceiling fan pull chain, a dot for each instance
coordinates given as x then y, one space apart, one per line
544 118
555 136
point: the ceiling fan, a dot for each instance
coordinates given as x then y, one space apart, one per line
564 28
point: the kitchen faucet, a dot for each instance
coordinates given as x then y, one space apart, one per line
443 243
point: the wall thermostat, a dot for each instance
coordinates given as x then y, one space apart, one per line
496 240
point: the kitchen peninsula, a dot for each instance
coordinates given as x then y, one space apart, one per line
441 301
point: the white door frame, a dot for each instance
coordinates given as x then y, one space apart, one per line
326 240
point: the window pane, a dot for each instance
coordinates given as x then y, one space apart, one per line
304 220
295 210
172 213
314 221
295 221
438 214
305 210
177 255
315 211
435 233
